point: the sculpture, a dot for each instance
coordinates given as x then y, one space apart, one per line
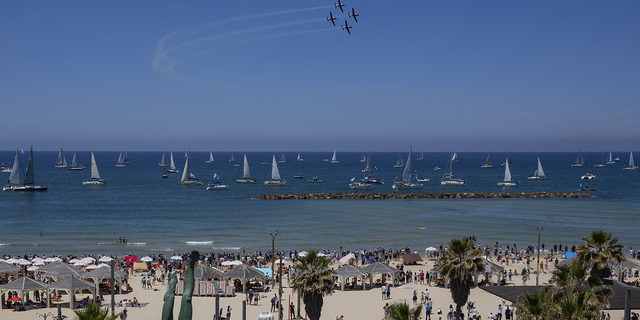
167 308
186 308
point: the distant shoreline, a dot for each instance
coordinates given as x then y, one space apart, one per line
425 195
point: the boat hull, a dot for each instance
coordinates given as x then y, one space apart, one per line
77 168
453 183
360 186
246 181
275 183
191 183
120 165
162 165
508 184
172 171
25 188
217 187
94 182
486 166
404 186
535 178
630 168
334 161
61 166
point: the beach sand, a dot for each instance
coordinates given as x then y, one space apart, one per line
351 304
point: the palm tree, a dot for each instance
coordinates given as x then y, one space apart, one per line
577 306
313 279
459 265
534 306
598 251
401 311
575 278
92 311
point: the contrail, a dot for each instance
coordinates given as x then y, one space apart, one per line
164 59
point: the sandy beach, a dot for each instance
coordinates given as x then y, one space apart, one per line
359 304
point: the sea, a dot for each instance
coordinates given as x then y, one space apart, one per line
159 215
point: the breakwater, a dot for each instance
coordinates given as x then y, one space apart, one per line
424 195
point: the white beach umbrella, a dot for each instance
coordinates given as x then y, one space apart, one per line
280 261
302 254
39 263
12 260
232 263
146 259
176 258
52 259
431 249
24 262
74 260
36 260
80 263
32 268
88 259
91 267
105 259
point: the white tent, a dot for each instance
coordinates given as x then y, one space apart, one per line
346 258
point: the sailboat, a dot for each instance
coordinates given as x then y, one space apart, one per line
217 185
299 158
538 174
334 159
631 165
120 162
189 178
508 159
610 159
163 162
172 166
579 160
399 163
405 181
74 162
275 175
282 160
62 161
421 157
601 164
246 174
364 158
588 175
507 182
455 157
210 158
360 185
95 176
325 158
487 163
369 178
367 168
28 184
447 177
232 158
126 158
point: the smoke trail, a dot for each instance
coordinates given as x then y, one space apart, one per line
167 57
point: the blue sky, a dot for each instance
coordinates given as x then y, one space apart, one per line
275 75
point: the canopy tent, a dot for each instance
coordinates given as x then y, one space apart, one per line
348 271
244 272
73 285
59 269
266 271
104 272
379 268
203 271
346 258
8 268
23 286
411 258
568 261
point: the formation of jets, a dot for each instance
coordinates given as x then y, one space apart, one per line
353 15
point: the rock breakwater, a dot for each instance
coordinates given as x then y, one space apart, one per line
425 195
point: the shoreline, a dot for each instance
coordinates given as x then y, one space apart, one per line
424 195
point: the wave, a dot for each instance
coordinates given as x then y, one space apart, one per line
227 248
4 244
197 243
137 244
164 249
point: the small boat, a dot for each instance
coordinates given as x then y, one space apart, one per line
163 162
538 174
507 182
325 158
487 163
508 159
315 180
601 164
74 162
436 168
405 181
368 160
372 180
246 174
189 178
120 162
5 168
282 160
447 177
299 158
399 162
217 185
299 176
631 165
615 160
587 188
359 185
95 175
420 179
421 157
126 158
364 157
28 183
275 175
579 160
232 158
210 158
334 159
610 159
62 161
588 175
164 175
172 166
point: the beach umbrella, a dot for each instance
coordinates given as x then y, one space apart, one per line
88 260
52 259
32 268
91 267
280 261
12 260
24 262
174 258
431 249
15 299
232 263
146 259
105 259
74 260
302 254
80 263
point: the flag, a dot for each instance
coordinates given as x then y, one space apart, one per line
191 176
353 179
216 177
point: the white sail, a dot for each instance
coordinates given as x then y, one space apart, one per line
540 171
172 166
610 160
95 175
185 173
368 159
275 173
120 159
246 174
126 158
631 164
299 158
579 160
62 161
455 157
29 176
507 172
14 177
334 159
163 162
488 161
74 161
211 157
406 173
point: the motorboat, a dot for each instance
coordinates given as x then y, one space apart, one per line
587 188
299 176
315 180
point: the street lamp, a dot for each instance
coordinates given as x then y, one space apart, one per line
538 259
273 259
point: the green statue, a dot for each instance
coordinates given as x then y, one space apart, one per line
167 308
186 309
